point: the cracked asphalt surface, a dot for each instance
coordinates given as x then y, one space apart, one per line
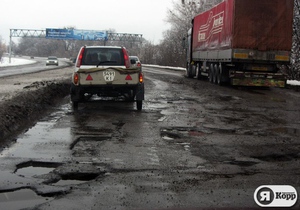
194 145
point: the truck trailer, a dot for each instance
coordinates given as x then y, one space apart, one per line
242 42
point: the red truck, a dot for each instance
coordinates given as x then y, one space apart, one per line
242 42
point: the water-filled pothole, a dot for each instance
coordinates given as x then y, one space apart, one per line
68 182
21 199
31 169
171 133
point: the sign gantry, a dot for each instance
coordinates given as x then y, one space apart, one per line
73 34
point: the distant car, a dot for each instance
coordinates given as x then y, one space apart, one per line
135 62
52 60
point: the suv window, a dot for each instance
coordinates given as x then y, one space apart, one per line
103 56
52 58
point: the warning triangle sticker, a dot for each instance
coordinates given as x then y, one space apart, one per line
89 78
128 77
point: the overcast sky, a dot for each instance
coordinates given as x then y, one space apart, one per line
145 17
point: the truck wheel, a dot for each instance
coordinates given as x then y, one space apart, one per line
198 71
211 73
215 74
218 74
139 105
221 75
75 105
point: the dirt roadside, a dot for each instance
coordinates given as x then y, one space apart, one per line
26 98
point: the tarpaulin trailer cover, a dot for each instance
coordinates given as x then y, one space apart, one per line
263 25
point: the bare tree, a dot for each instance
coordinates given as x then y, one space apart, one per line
180 18
294 68
2 48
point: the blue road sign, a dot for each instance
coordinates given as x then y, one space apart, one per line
75 34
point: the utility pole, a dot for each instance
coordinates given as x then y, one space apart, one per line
10 43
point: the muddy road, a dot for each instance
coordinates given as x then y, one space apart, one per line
194 145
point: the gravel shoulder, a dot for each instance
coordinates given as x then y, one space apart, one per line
26 98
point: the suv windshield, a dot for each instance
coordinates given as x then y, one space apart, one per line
52 58
103 56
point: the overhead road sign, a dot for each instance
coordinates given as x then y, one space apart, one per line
91 35
74 34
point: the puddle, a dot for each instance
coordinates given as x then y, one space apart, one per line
31 169
21 199
68 182
172 133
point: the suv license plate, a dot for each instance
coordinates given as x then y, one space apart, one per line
109 75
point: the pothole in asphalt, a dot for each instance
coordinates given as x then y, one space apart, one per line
21 199
119 124
75 178
228 98
286 130
86 130
278 157
171 133
77 173
31 169
90 138
226 129
241 163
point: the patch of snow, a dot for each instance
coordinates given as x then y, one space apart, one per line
293 82
165 67
15 62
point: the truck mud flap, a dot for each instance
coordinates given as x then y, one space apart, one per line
140 92
75 93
